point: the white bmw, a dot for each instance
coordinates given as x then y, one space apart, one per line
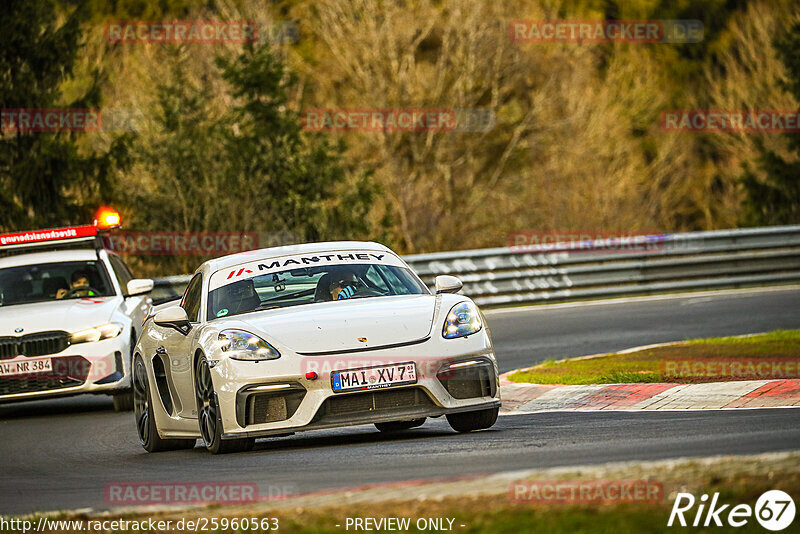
70 314
305 337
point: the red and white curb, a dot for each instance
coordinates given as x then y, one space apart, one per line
519 398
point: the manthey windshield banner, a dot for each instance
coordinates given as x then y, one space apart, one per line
264 266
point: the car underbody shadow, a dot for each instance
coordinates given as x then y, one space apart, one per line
57 406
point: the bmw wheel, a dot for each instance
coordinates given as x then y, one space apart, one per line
123 401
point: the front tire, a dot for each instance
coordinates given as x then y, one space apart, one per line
123 402
209 417
471 421
145 420
398 426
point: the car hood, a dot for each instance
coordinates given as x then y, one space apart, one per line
337 326
67 315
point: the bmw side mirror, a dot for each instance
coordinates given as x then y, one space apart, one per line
139 286
173 317
448 284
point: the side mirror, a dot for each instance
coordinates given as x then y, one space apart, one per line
139 286
448 284
173 317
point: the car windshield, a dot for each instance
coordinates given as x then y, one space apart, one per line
53 281
295 287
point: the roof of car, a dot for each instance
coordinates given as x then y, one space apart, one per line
274 252
53 256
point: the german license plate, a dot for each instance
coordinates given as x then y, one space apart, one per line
25 367
384 376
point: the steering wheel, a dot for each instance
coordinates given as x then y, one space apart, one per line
75 290
370 292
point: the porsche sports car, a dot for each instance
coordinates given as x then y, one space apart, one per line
306 337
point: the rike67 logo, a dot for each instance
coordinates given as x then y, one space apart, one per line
774 510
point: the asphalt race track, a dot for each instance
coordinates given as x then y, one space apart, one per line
61 454
534 335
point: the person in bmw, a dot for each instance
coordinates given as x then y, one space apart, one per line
79 286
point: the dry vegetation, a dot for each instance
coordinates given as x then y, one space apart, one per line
576 146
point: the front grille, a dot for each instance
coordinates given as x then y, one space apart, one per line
8 348
376 400
30 385
469 382
267 408
38 344
68 371
255 407
467 387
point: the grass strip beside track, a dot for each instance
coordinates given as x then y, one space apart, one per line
648 365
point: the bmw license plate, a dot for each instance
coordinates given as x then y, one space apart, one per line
384 376
25 367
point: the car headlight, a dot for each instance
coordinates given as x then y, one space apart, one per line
90 335
462 320
241 345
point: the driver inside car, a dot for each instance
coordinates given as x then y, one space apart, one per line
344 285
79 286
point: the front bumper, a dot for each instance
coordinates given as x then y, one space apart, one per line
99 367
275 397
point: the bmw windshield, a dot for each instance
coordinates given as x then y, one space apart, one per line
25 284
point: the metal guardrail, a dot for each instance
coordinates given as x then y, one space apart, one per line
608 268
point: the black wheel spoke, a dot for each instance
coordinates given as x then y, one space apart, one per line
209 428
208 387
203 430
139 382
207 423
143 428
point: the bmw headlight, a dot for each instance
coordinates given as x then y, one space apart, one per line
90 335
462 320
241 345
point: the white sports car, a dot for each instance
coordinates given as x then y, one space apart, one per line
305 337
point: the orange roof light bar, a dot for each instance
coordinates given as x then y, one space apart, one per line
107 218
